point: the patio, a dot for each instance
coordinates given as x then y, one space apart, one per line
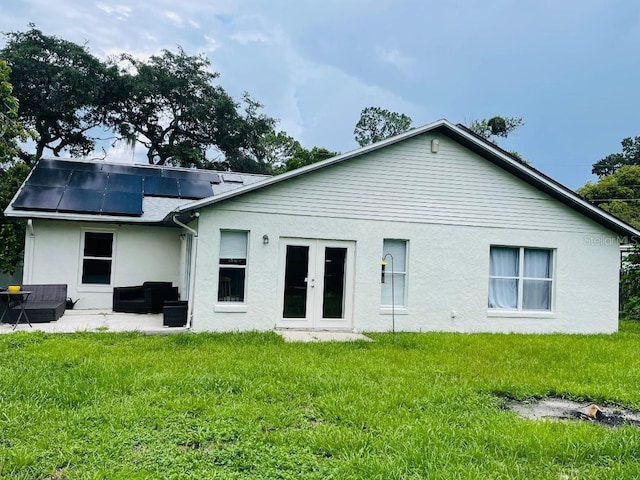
151 324
98 321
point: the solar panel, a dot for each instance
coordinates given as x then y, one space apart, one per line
200 176
122 203
37 197
48 177
88 180
69 165
161 187
81 200
124 183
232 178
178 174
111 189
195 190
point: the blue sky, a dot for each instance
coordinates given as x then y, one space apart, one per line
570 68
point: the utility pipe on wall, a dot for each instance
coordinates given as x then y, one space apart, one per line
194 254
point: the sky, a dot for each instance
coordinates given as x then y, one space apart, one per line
569 68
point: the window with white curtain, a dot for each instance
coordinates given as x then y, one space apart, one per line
520 278
233 265
395 272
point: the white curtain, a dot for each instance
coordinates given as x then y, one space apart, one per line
503 292
536 294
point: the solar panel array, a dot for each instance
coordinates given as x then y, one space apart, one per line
101 188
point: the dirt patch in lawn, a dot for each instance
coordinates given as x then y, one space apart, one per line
562 409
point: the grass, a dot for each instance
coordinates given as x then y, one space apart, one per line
236 406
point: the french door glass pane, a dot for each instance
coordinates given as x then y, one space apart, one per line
333 293
295 282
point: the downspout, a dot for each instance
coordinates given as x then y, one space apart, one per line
27 259
194 254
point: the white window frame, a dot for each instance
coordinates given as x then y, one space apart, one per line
86 287
221 265
398 271
520 278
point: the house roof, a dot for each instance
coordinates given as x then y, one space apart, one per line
468 139
115 192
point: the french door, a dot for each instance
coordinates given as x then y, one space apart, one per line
316 288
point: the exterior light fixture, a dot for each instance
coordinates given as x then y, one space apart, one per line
265 239
435 145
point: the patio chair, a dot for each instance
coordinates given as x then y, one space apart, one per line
146 298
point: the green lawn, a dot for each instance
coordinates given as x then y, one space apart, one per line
126 406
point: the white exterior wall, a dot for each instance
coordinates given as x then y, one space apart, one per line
53 255
451 207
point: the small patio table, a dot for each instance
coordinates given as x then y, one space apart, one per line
21 296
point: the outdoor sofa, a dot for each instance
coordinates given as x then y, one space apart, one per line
46 303
146 298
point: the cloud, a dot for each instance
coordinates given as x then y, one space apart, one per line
394 57
174 17
211 44
121 12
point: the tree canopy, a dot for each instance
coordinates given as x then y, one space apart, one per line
377 123
497 126
171 106
610 164
11 130
63 91
12 173
618 193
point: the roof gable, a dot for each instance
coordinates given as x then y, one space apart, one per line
461 135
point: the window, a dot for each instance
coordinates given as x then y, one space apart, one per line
233 266
395 276
520 278
97 258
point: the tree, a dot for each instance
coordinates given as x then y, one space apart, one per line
63 91
377 123
610 164
303 157
171 106
11 230
12 173
630 284
618 193
495 127
11 130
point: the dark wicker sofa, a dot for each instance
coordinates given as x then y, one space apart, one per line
46 303
146 298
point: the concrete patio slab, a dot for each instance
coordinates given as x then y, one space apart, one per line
108 321
321 336
98 321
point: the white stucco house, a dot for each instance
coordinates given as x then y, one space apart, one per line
473 240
